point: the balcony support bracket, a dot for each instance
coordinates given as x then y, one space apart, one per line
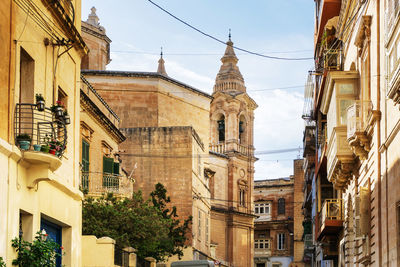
342 174
359 144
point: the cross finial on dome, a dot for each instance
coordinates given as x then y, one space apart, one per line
161 67
229 35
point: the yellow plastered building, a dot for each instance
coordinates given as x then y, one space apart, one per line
41 54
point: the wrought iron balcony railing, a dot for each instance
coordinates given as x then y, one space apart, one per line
100 183
45 131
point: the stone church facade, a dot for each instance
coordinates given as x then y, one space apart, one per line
199 146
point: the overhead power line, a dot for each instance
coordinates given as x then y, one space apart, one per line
277 151
220 41
198 54
205 155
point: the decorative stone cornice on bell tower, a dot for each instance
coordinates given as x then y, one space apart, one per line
229 79
161 67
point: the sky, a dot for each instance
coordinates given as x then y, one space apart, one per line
281 28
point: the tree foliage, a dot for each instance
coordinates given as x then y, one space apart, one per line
149 226
42 252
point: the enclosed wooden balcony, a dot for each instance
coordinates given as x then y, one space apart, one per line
357 124
339 94
340 158
331 217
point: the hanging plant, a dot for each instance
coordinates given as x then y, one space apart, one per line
67 119
58 109
40 103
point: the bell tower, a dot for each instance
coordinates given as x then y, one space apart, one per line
232 110
231 141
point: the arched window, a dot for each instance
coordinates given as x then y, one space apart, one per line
242 130
242 198
221 129
281 206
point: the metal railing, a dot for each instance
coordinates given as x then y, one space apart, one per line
332 209
99 182
357 117
42 127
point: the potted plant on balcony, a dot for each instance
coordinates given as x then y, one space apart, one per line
23 141
40 102
37 147
58 109
67 119
45 148
56 147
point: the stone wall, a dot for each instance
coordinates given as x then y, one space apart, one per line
162 154
298 250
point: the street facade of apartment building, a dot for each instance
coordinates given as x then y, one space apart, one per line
351 142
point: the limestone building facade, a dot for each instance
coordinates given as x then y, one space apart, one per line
100 139
273 228
199 146
355 117
41 53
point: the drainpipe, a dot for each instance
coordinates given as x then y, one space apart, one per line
378 106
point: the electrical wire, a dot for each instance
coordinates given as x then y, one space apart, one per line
220 41
196 54
180 92
206 155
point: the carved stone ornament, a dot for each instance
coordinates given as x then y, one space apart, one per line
342 174
359 144
364 32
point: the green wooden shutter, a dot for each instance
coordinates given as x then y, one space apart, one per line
85 165
116 168
85 156
108 165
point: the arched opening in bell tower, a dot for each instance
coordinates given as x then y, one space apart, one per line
221 128
242 130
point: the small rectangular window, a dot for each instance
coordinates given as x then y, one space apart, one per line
281 206
207 230
261 244
27 71
281 241
199 224
262 208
